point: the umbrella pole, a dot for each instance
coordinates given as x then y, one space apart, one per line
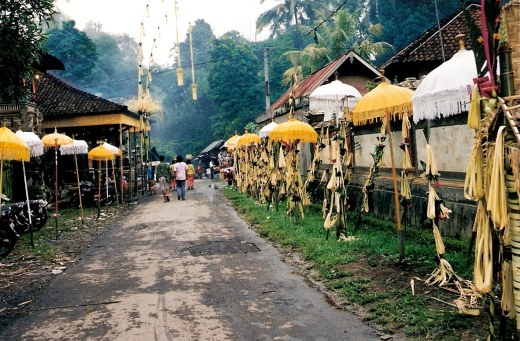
115 183
56 186
400 235
99 190
79 189
1 174
121 162
106 179
28 206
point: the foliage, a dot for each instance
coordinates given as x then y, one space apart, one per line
117 59
235 83
287 13
75 50
186 128
20 45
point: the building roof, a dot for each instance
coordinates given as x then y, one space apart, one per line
213 145
427 47
56 98
307 85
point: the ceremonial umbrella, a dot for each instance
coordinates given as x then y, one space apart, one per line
386 101
446 90
36 149
248 139
54 140
75 148
117 152
13 148
100 153
264 132
292 131
231 143
333 97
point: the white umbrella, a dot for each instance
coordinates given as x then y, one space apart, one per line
35 145
446 90
264 132
75 148
333 97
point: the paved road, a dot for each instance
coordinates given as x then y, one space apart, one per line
183 270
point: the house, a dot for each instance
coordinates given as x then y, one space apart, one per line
85 116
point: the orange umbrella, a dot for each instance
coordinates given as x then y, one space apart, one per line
294 130
248 139
54 140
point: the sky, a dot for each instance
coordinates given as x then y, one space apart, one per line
125 16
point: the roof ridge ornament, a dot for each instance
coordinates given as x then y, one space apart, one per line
460 39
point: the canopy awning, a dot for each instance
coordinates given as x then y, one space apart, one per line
97 120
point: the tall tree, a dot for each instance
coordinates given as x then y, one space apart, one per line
74 48
235 83
287 13
186 127
117 60
21 40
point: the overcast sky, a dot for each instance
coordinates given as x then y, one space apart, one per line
125 16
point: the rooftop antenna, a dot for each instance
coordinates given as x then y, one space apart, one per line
440 31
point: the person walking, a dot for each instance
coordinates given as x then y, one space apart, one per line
162 172
211 167
179 170
190 174
172 175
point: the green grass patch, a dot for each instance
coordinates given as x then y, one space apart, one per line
70 230
366 270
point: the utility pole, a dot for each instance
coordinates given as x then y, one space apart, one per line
266 79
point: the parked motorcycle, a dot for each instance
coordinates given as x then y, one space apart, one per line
14 221
90 196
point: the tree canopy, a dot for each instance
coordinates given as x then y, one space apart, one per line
21 38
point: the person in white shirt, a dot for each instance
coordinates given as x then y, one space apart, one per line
179 169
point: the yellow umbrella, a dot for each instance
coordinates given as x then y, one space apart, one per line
12 147
231 143
101 153
294 130
248 139
386 101
54 140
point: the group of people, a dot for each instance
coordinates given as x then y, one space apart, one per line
175 176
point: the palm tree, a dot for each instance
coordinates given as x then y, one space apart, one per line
289 12
336 37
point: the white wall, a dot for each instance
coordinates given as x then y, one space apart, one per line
451 147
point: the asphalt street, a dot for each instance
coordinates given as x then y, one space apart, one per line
184 270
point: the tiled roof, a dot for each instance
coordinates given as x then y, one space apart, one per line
56 98
427 46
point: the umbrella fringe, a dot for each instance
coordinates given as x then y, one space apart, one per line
441 104
373 116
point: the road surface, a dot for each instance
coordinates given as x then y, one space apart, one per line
183 270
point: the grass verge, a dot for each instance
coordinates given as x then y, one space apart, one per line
366 272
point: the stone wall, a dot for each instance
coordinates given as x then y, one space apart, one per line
512 10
